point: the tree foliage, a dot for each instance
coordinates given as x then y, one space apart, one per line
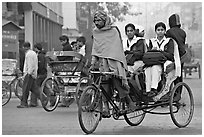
116 9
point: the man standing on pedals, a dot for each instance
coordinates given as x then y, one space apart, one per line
108 50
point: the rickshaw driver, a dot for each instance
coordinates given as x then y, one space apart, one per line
108 50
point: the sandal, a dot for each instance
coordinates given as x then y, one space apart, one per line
106 111
152 93
106 114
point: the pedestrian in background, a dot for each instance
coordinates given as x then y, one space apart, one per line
81 45
65 47
74 46
21 58
41 73
30 76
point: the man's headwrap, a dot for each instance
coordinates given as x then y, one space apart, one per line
104 17
100 14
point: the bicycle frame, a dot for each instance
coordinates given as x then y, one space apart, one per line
144 106
98 85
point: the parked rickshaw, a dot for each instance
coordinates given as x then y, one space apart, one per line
65 76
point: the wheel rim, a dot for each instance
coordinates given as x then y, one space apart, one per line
89 111
135 118
182 110
83 83
5 96
6 93
51 90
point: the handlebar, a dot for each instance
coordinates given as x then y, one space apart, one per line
9 75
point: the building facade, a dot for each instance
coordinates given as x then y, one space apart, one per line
41 22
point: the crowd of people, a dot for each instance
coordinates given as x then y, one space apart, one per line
112 53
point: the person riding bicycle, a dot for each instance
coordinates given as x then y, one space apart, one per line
108 50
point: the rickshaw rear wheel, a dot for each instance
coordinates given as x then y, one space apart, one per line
134 118
51 89
181 105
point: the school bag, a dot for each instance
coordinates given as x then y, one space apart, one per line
153 57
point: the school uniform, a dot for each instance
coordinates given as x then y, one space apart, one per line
153 73
137 46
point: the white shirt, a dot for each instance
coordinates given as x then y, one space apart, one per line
82 50
134 40
31 63
162 43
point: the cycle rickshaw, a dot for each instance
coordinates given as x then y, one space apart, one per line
90 107
65 76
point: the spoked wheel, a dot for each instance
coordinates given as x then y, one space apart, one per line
83 83
6 93
51 89
89 109
19 88
181 105
134 118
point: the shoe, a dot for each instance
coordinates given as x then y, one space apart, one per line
145 93
106 111
177 98
44 102
62 105
22 106
43 99
106 114
130 104
152 93
32 105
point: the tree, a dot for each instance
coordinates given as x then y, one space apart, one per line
85 11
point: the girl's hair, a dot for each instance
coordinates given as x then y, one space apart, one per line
129 25
160 24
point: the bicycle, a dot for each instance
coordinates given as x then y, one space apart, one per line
14 85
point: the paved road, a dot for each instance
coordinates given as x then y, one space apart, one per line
64 121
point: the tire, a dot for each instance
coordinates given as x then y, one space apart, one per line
181 108
134 118
18 88
89 109
51 89
83 83
6 93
